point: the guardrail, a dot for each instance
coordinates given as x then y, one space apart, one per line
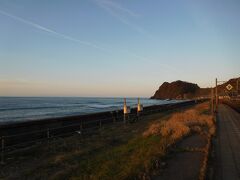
10 143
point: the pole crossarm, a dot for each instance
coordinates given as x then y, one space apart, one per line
221 81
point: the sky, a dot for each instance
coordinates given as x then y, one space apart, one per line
115 48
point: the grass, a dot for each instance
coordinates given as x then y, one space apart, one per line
179 125
122 152
182 124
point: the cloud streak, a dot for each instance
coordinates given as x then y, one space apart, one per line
120 12
118 6
107 49
50 31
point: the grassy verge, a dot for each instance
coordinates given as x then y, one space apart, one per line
123 152
78 157
179 125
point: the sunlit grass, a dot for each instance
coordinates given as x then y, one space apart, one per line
122 152
182 123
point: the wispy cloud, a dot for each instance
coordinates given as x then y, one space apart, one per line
118 6
109 7
40 27
121 13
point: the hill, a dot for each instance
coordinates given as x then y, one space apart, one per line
176 90
186 90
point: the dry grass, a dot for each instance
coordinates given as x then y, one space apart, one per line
179 125
123 152
183 123
117 151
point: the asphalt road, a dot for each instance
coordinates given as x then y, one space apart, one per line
228 144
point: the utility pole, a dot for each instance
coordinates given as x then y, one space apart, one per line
216 93
212 101
125 110
237 86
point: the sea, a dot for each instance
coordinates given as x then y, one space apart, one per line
19 109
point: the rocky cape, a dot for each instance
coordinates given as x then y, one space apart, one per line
186 90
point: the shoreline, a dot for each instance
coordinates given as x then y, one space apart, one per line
87 116
118 139
35 109
74 115
26 132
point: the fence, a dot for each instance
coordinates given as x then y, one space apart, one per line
233 103
9 143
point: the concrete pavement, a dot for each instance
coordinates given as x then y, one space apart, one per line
228 144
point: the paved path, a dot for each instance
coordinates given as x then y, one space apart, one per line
228 144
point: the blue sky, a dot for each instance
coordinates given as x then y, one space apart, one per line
115 48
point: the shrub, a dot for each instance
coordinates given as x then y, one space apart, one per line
182 123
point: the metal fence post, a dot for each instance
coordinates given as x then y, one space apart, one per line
81 125
2 150
100 123
113 117
48 135
116 118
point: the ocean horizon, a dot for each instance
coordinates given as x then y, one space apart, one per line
21 109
